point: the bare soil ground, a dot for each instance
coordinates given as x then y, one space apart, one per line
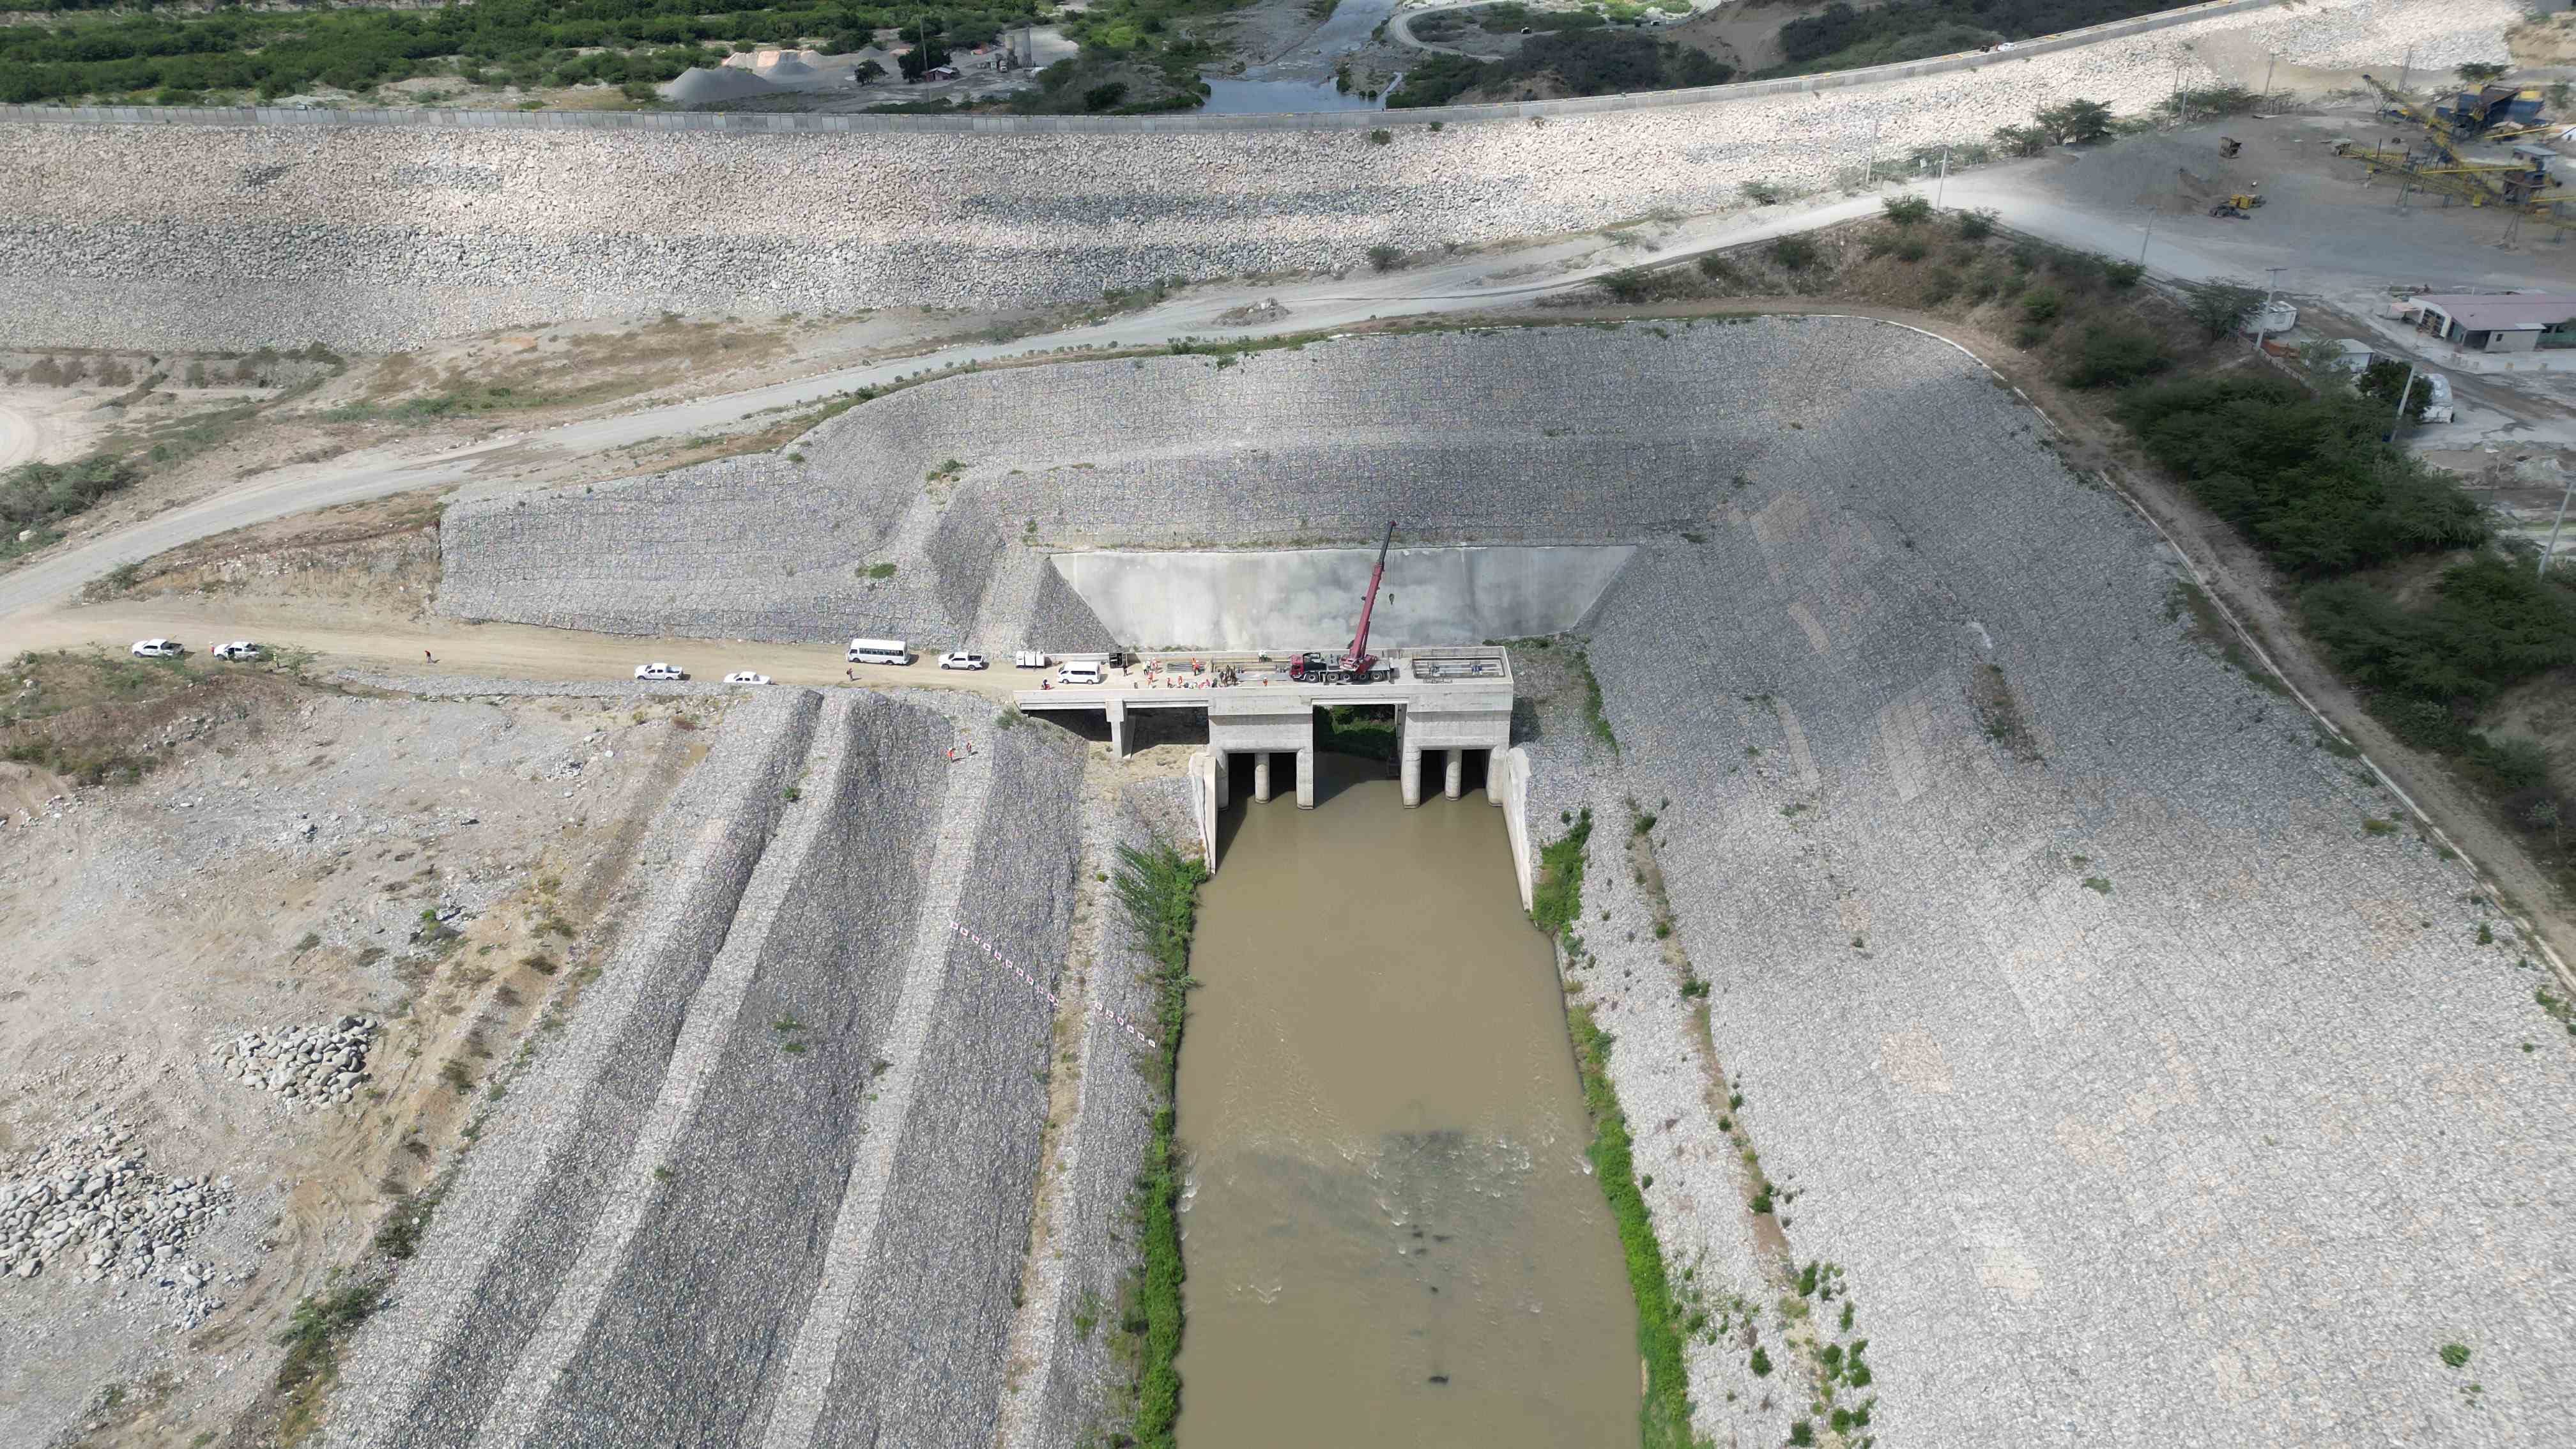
271 867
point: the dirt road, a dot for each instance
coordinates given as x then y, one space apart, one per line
475 651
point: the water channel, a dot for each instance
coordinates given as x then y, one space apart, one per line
1393 1238
1301 78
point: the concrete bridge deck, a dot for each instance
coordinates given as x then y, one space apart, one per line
1452 701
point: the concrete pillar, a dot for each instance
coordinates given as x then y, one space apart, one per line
1456 783
1494 777
1117 730
1306 777
1224 777
1261 775
1412 772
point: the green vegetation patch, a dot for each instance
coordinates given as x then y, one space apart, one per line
1841 37
1585 62
1664 1417
1556 902
1158 890
39 496
1365 730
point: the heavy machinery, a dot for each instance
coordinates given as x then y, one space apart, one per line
1356 665
2229 146
2240 206
2520 184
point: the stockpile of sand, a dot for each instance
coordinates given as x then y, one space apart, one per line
701 86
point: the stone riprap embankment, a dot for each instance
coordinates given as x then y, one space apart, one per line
779 1189
88 1205
1072 1384
309 1066
2130 1075
383 237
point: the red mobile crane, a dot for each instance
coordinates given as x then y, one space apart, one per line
1357 666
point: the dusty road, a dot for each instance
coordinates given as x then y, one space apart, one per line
476 651
2077 199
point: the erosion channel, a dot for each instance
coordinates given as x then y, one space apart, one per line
1393 1235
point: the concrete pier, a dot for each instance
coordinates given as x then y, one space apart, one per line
1450 700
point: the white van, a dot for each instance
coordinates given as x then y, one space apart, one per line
879 651
1078 672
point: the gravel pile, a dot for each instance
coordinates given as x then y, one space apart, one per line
305 1066
87 1205
375 238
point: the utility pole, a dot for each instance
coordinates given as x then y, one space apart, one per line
2150 236
2270 59
2260 318
1938 186
2406 70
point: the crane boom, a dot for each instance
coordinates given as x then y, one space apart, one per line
1358 660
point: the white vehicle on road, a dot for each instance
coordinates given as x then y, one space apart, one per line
1078 672
963 659
158 649
879 651
1028 659
240 649
745 676
660 671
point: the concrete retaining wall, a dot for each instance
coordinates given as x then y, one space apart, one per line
380 232
1258 599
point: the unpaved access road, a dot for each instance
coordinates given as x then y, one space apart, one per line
2053 197
434 647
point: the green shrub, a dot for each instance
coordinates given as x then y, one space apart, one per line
2488 625
2075 122
1906 210
2116 354
1976 224
1912 249
2123 275
1385 258
1381 136
2306 479
1556 902
1158 893
1796 253
2042 304
1764 193
1664 1417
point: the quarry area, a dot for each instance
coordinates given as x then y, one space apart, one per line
2033 966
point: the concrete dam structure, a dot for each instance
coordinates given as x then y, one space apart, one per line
2090 1023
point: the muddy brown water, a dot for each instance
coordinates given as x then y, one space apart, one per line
1391 1232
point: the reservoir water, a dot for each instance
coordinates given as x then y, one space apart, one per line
1392 1235
1301 78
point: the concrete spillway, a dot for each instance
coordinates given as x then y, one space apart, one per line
1272 597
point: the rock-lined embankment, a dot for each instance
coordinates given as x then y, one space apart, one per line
382 237
780 1187
2063 973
